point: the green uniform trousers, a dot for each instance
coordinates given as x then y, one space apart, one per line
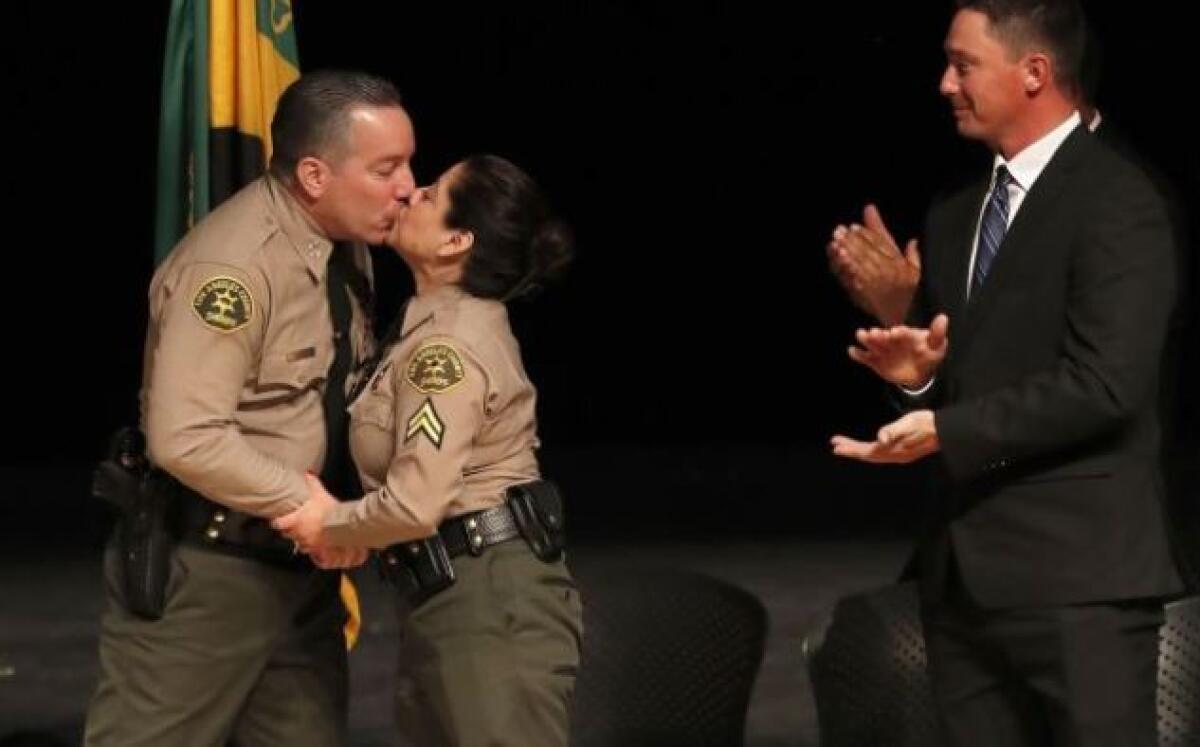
246 652
492 659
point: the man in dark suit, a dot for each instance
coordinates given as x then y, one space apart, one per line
881 279
1046 562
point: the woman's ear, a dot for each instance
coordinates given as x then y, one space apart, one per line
459 243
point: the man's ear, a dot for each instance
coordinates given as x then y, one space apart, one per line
313 176
1037 72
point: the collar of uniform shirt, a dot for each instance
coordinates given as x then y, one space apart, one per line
425 304
313 246
1028 165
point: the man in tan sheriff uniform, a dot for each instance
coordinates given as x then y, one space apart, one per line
255 319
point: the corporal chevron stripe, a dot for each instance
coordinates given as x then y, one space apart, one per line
426 420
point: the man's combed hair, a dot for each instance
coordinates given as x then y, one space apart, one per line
313 116
1057 27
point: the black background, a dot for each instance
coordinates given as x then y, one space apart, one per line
692 365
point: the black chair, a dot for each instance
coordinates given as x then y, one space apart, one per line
1179 675
867 667
669 658
866 662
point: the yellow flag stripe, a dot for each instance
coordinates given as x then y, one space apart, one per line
246 72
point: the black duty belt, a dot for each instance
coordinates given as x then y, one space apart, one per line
421 568
476 531
214 527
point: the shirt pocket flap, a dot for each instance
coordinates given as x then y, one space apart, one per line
301 368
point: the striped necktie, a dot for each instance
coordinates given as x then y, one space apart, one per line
992 228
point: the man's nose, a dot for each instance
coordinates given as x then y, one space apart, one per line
405 184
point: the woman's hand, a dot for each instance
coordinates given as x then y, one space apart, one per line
305 525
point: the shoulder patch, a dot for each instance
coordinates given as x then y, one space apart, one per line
223 304
435 368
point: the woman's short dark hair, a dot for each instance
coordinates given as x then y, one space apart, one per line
518 244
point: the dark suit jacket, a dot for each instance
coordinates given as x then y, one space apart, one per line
1180 459
1046 406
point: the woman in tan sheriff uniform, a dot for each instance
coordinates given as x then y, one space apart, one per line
442 430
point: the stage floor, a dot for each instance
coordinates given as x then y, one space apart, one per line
50 607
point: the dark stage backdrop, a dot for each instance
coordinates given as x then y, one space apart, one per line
702 154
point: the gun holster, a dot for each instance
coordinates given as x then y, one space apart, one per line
538 510
147 528
418 569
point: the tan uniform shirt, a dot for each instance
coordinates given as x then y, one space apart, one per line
443 427
239 344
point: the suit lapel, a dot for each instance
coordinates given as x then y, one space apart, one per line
1036 211
963 218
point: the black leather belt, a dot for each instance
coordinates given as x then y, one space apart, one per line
211 526
474 532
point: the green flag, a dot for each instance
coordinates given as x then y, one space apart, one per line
226 63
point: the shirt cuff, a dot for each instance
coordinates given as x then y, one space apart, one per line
914 393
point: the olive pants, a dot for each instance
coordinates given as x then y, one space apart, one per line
246 652
492 659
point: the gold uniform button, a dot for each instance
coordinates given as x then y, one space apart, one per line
212 533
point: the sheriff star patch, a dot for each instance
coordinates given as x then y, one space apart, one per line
425 420
223 304
435 368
